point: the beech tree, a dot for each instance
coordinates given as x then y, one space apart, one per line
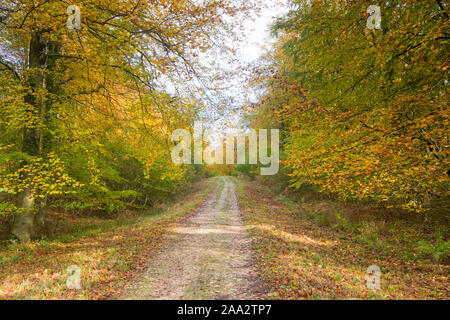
58 81
364 110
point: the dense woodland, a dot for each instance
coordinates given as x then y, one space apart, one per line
363 113
86 116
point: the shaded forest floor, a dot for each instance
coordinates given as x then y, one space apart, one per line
312 250
109 251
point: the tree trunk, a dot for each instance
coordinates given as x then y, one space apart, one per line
23 222
48 123
31 144
41 215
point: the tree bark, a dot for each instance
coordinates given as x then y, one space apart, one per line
31 144
41 215
23 222
48 122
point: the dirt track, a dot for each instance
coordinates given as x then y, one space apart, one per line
207 256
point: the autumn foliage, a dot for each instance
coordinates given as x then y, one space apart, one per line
86 115
364 113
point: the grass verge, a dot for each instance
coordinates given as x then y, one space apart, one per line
108 253
302 257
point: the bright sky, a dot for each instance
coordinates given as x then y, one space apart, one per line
258 33
255 41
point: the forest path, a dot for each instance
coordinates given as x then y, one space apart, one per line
207 256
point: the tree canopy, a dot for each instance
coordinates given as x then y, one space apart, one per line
85 114
364 112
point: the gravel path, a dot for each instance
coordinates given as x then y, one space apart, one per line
207 256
